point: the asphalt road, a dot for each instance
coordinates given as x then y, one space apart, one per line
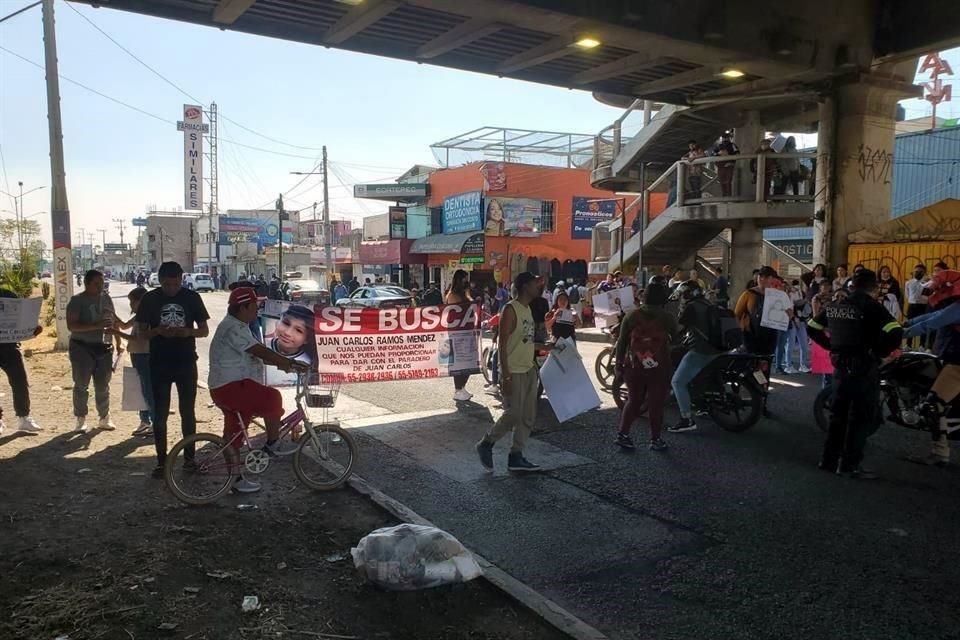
722 536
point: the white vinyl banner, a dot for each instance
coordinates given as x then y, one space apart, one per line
192 126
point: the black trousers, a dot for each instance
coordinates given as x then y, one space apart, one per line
856 398
11 361
163 376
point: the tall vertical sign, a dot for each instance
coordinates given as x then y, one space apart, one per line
193 129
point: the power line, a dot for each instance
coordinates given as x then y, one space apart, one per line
19 11
180 89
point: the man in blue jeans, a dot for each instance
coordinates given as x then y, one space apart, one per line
695 322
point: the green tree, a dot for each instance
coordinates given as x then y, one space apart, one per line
20 253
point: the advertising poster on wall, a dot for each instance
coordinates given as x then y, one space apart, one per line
494 176
463 212
510 216
587 212
257 230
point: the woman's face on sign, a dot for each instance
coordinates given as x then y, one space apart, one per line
495 211
291 335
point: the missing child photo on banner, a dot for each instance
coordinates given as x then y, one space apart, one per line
288 329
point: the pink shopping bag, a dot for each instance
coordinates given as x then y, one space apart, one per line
820 359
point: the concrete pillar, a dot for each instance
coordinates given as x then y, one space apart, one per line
854 163
746 249
747 137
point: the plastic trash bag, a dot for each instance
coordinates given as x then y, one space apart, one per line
409 557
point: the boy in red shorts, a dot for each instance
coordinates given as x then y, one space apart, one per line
236 369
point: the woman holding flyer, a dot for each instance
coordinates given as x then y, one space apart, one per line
562 321
459 293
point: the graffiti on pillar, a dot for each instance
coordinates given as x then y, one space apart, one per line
875 165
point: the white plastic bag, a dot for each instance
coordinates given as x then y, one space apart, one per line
132 399
409 557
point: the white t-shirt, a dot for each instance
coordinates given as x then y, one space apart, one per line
229 360
914 289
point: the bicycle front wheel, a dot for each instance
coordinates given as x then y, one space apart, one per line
326 456
197 470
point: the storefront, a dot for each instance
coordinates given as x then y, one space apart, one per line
390 260
442 255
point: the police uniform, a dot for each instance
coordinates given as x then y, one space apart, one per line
861 333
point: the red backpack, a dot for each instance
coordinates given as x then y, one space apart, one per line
649 342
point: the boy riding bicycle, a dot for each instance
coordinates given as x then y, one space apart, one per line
236 369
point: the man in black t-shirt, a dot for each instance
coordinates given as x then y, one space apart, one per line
173 318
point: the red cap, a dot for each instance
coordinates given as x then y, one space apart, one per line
242 295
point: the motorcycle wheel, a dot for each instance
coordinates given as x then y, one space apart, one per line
485 366
742 405
605 368
822 408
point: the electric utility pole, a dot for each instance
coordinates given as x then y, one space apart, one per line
120 226
327 247
59 209
280 237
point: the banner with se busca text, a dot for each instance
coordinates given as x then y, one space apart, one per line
376 345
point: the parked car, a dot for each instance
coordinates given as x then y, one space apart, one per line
153 280
198 282
307 292
378 297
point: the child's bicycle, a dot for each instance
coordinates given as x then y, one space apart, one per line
324 460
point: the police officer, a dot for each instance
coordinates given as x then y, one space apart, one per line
861 333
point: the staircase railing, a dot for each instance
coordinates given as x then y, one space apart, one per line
609 142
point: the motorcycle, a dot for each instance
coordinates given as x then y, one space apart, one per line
905 383
605 364
732 389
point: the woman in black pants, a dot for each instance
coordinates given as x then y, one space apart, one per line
459 293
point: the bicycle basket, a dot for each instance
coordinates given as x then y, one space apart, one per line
323 394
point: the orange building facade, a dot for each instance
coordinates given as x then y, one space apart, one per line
528 221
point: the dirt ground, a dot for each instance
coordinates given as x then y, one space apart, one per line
95 548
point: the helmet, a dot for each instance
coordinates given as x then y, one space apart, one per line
689 290
943 287
657 280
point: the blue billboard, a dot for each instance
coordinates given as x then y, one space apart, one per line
260 230
463 212
589 211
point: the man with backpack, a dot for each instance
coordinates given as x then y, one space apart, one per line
573 294
757 339
643 363
701 323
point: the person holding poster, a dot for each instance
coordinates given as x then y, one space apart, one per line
293 337
758 339
459 293
90 317
11 361
519 379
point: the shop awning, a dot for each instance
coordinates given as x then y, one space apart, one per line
439 243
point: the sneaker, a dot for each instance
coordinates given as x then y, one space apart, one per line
242 485
685 424
106 423
625 442
517 463
281 448
157 472
857 473
145 429
658 444
81 424
462 395
804 369
26 424
930 460
790 371
485 451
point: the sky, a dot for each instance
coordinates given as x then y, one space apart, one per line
377 116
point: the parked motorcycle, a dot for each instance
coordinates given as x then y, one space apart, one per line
732 389
905 382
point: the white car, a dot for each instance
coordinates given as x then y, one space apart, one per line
153 280
198 282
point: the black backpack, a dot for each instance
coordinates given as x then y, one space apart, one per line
725 332
573 293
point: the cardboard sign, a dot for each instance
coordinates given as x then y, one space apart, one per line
776 303
19 318
566 383
614 301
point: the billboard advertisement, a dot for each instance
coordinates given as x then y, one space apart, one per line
463 212
257 230
192 127
372 345
589 211
510 216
